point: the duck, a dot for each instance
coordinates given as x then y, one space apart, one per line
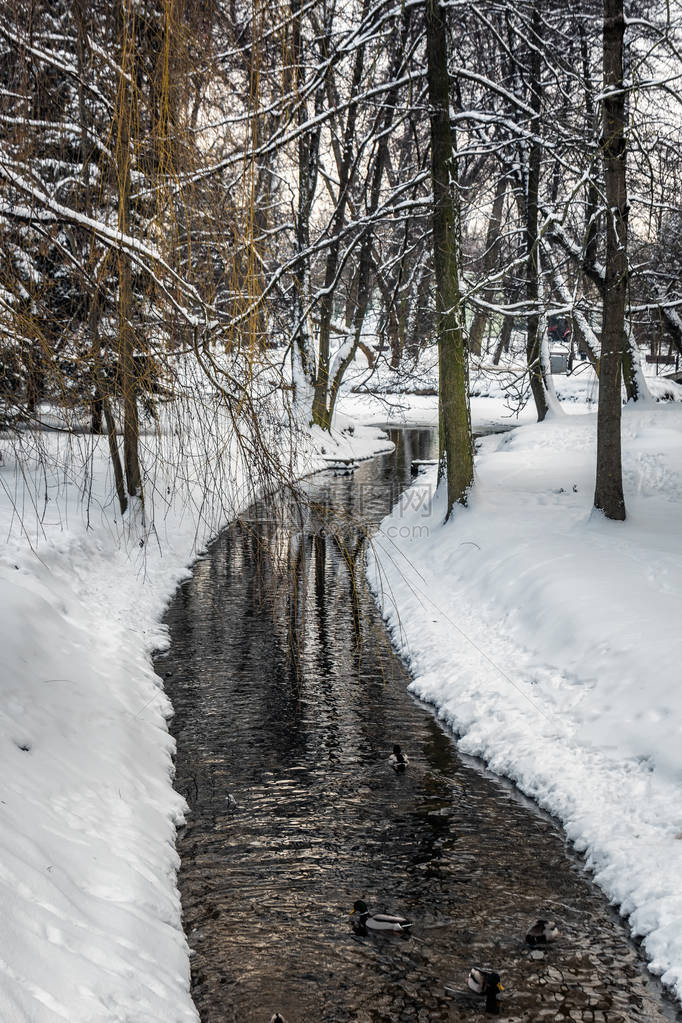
398 760
542 932
486 982
379 921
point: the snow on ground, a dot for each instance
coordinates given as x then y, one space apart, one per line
91 915
393 409
549 639
499 394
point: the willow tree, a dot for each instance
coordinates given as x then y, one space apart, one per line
455 417
608 494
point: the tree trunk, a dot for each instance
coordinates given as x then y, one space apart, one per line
101 404
96 412
581 326
115 456
413 326
364 273
302 349
320 410
505 338
455 418
128 383
492 245
536 369
35 373
591 229
608 494
633 376
97 404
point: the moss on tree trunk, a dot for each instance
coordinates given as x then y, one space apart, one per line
455 418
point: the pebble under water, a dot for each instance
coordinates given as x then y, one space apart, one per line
288 699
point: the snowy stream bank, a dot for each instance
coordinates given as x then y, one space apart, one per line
550 641
91 914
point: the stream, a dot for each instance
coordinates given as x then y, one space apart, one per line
288 699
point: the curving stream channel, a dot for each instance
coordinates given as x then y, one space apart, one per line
288 699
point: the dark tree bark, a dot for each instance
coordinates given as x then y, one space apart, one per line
635 386
128 381
35 376
534 341
492 246
320 410
97 403
96 412
114 453
455 418
505 338
308 163
592 197
608 494
101 405
364 273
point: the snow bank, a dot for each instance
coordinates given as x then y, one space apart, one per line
499 394
549 639
91 913
415 410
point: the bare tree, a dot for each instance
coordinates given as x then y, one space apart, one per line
455 417
608 495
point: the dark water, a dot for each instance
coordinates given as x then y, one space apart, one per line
288 699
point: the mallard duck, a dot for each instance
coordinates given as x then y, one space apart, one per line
542 932
398 760
379 921
486 982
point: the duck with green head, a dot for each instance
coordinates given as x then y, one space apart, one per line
488 983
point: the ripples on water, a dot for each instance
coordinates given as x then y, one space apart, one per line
288 699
